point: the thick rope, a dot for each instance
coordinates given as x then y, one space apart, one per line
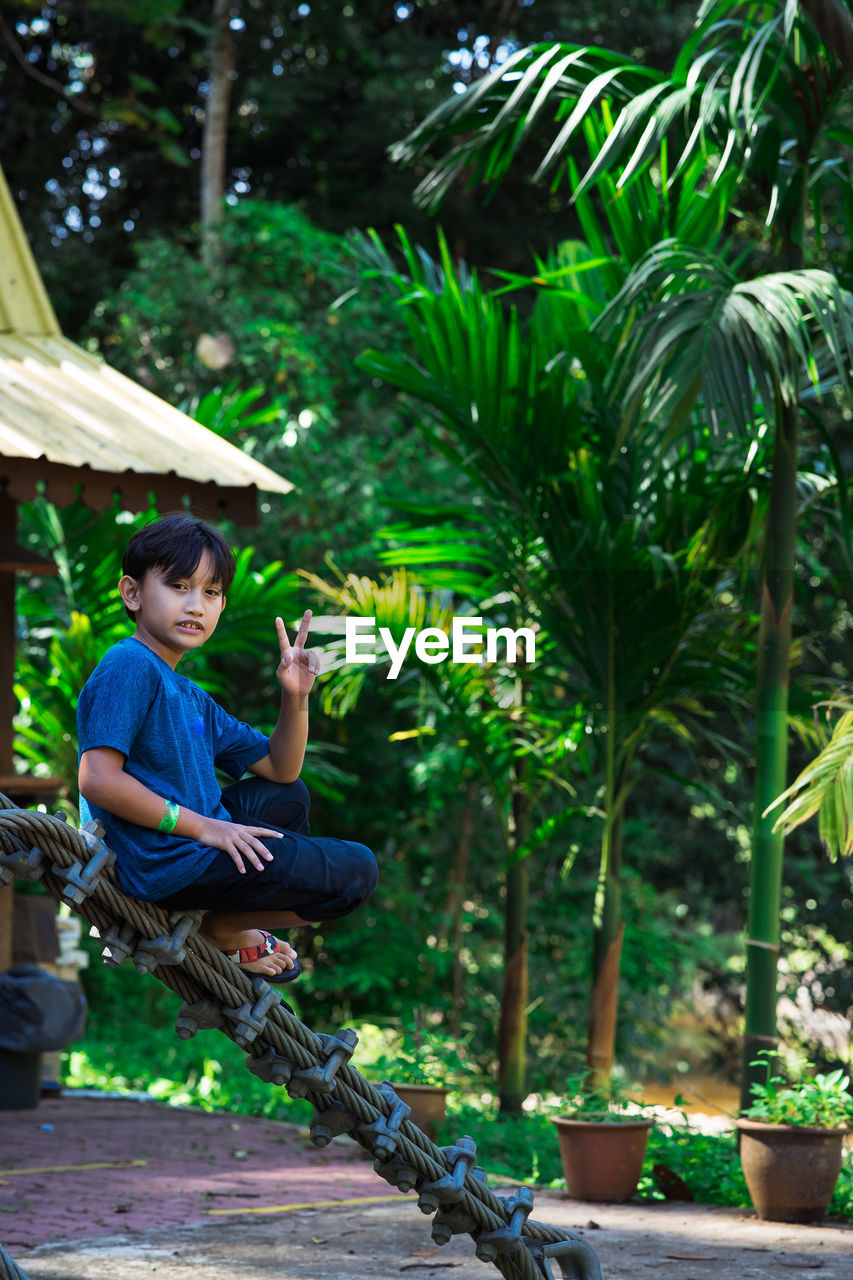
9 1269
281 1048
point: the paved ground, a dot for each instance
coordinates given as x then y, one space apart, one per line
82 1167
114 1189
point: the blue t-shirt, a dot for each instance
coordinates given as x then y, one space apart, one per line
172 734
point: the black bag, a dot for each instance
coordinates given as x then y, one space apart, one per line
39 1011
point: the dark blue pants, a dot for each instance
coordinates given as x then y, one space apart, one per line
318 877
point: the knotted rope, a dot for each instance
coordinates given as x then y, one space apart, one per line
77 868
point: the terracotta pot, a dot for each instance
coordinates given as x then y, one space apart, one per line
790 1170
428 1103
602 1160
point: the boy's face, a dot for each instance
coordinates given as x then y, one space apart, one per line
174 615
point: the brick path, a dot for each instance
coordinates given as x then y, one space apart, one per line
188 1163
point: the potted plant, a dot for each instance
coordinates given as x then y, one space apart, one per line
791 1142
603 1138
422 1065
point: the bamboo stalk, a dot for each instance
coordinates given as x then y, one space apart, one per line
774 649
512 1036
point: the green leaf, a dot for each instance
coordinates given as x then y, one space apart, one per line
825 788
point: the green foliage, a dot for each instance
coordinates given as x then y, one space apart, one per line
500 712
523 1148
825 788
130 1046
613 550
518 1147
46 722
67 623
519 407
749 347
841 1204
587 1099
268 299
741 121
259 350
708 1163
318 95
821 1099
417 1054
732 111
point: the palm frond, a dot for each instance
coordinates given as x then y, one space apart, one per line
511 397
487 126
747 347
746 70
825 788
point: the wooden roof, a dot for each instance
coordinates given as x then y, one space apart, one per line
71 423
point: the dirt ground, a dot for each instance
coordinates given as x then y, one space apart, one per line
113 1189
349 1242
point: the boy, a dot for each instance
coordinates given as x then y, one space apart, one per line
149 741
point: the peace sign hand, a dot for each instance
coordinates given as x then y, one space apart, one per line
299 666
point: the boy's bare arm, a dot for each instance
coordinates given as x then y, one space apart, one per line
104 782
296 673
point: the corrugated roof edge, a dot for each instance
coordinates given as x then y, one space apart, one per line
61 403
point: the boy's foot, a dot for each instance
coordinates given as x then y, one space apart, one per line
268 958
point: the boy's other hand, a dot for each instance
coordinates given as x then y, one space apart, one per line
299 666
237 841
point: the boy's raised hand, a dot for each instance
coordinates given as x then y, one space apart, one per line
299 666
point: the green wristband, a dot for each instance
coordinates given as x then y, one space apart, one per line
169 820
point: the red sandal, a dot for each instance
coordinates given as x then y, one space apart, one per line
269 946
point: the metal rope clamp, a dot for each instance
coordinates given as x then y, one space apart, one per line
167 948
397 1172
321 1078
119 942
331 1123
26 864
383 1133
251 1019
81 879
271 1067
454 1219
451 1187
506 1239
204 1015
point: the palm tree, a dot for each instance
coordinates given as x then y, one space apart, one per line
751 117
512 747
618 552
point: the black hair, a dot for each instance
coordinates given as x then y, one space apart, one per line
175 544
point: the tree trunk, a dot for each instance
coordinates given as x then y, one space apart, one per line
774 647
608 931
771 746
214 143
512 1037
453 905
608 928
